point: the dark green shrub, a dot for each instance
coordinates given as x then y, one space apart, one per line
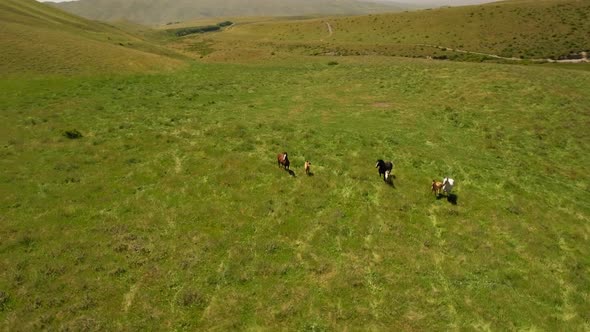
72 134
202 29
191 298
4 298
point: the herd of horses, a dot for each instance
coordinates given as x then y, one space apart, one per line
384 167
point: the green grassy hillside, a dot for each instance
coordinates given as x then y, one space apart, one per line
523 29
36 38
162 11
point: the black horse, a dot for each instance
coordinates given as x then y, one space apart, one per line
385 168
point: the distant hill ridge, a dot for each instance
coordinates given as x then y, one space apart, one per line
153 12
525 29
39 39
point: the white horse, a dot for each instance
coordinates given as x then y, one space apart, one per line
448 185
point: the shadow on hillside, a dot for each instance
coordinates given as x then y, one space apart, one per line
291 173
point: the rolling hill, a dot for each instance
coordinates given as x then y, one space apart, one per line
162 11
36 38
523 29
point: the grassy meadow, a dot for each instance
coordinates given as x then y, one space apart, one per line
170 212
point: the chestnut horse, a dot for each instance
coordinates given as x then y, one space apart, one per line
436 187
283 159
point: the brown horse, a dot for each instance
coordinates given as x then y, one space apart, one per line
283 159
436 187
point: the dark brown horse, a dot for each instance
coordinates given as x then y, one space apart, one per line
283 160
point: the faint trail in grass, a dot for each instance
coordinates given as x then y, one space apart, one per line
213 302
372 281
567 310
130 296
175 299
177 164
438 259
171 222
303 247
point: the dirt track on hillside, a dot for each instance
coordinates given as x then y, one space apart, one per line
582 60
330 31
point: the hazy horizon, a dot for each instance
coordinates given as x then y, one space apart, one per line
440 2
416 2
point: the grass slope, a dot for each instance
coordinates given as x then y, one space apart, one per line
525 29
36 38
170 213
162 11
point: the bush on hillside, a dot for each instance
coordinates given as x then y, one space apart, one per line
200 29
4 298
225 23
187 31
72 134
191 298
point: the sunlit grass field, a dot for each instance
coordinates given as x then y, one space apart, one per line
170 213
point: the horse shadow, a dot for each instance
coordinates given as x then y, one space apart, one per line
451 198
310 174
291 173
390 181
